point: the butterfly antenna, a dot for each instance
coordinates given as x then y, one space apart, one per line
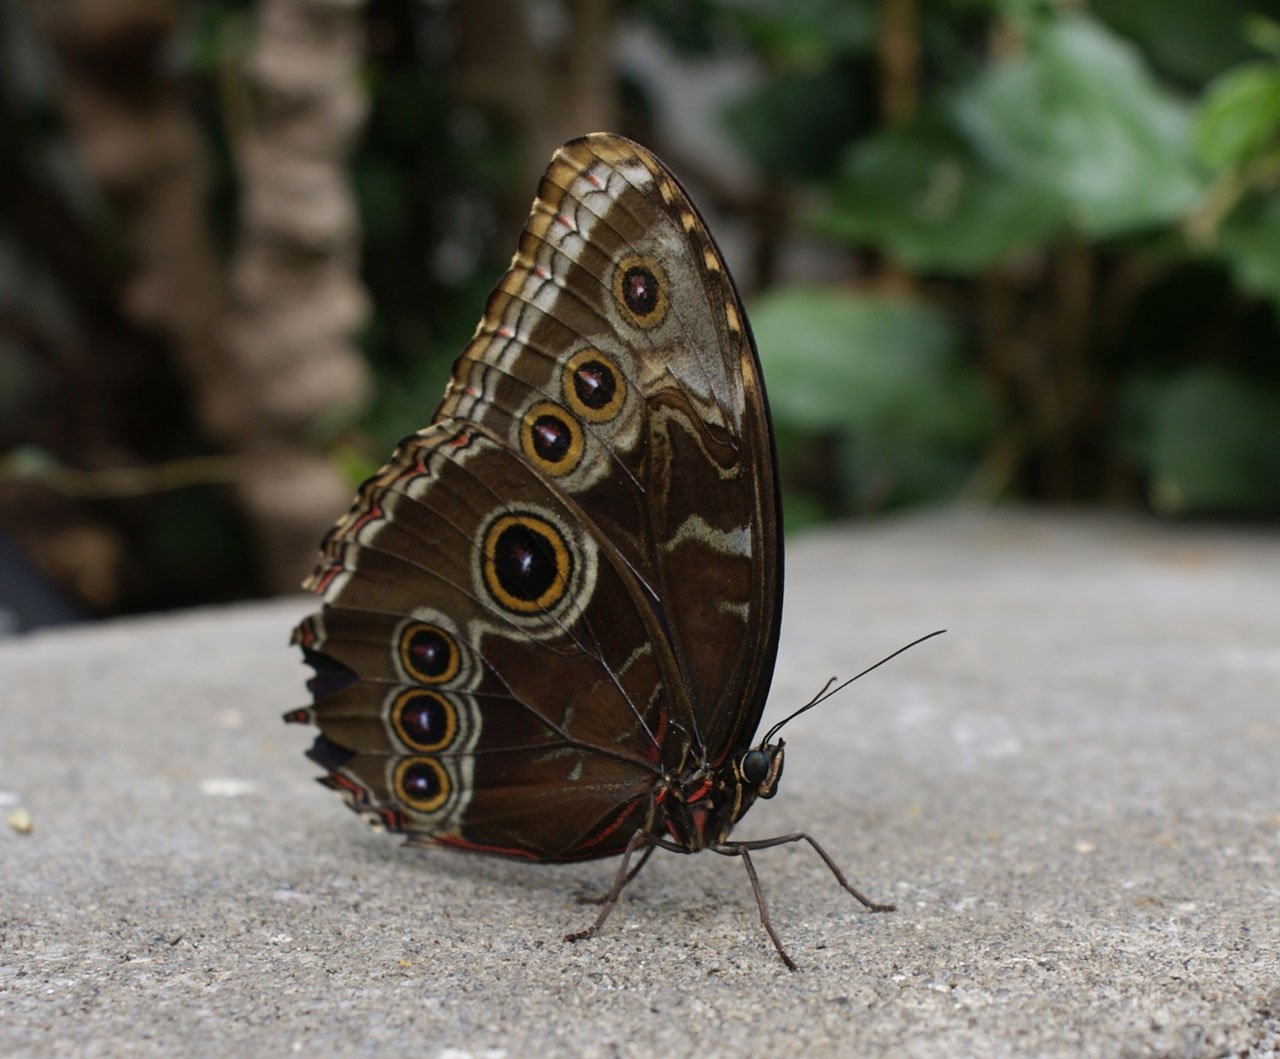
827 690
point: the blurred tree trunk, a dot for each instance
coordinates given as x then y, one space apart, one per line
548 92
142 150
270 353
296 297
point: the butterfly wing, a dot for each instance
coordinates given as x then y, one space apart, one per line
616 355
570 581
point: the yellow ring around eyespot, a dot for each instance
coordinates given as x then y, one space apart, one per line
572 455
559 553
397 719
606 411
410 666
421 805
658 313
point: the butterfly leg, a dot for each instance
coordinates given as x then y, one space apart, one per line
592 899
797 836
619 881
739 849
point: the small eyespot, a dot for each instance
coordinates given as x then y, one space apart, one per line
428 654
424 720
593 386
640 289
421 784
550 439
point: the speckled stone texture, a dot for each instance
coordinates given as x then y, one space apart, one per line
1073 797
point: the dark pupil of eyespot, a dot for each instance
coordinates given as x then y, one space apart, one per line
430 651
420 782
424 720
594 384
550 438
639 290
524 562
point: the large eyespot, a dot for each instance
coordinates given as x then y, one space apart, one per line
525 562
421 784
424 720
640 289
551 440
428 654
593 386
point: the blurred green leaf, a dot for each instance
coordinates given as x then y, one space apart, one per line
886 377
1213 444
796 124
1074 130
927 197
1191 41
1263 33
833 358
805 33
1239 117
1249 241
800 511
1082 117
688 26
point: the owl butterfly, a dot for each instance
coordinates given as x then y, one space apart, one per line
550 621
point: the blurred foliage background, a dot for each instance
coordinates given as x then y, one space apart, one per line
991 250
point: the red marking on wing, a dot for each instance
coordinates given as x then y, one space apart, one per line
457 842
372 514
590 848
307 635
394 820
324 580
336 780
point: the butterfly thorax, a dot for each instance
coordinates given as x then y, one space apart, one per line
699 806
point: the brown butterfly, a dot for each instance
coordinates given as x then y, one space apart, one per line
550 621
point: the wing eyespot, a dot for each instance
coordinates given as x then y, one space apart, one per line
593 386
421 784
640 290
428 654
550 439
424 720
526 563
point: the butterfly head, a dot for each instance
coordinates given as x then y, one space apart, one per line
761 768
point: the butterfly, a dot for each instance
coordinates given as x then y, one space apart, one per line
549 623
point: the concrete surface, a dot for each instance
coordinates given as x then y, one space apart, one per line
1072 796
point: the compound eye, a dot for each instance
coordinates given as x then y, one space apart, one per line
754 767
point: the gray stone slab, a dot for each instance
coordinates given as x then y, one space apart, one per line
1072 797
